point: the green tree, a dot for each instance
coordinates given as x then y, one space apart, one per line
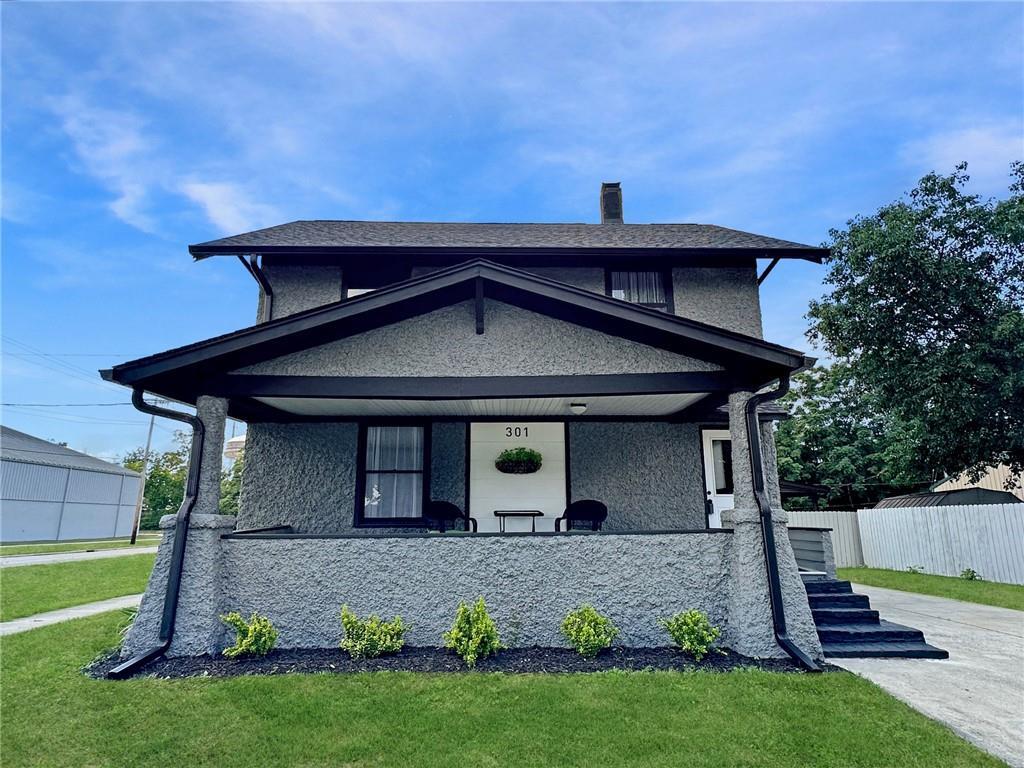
925 311
839 437
165 480
231 486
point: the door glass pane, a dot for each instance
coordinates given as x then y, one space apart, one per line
721 452
393 495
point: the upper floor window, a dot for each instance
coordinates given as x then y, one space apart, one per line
652 289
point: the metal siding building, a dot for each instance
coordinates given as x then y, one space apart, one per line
52 493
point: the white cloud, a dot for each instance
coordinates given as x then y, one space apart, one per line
111 146
228 207
987 149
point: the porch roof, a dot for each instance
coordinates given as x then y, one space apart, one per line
206 367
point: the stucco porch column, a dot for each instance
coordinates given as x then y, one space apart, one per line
197 625
750 616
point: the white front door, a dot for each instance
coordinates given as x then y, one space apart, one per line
717 472
491 490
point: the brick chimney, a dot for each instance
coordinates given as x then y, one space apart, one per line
611 203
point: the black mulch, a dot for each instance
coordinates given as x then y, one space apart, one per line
513 660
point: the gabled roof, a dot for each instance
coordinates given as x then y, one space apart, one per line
19 446
177 373
948 498
338 236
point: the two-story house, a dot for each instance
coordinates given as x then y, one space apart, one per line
393 362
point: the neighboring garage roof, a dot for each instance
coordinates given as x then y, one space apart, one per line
18 446
949 498
325 235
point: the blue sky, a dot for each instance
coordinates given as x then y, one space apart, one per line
131 130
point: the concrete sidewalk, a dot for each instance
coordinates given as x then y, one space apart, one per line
66 614
14 561
979 690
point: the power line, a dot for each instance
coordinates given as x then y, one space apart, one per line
59 405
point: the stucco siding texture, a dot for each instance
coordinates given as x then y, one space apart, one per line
445 343
448 463
726 297
300 287
423 580
303 475
647 473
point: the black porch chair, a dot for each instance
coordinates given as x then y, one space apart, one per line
441 514
583 511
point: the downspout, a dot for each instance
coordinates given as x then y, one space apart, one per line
764 508
252 266
180 535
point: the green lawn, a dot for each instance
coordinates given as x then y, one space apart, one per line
45 548
984 592
389 719
33 589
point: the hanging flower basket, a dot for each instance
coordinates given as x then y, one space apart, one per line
518 461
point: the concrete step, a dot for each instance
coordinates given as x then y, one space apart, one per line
844 616
895 649
828 587
868 633
838 600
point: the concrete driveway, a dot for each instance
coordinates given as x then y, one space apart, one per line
979 690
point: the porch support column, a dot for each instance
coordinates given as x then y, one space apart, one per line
212 411
197 625
751 629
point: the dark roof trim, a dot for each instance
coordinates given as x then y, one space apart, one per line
442 288
203 251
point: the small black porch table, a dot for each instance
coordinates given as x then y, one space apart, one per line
503 514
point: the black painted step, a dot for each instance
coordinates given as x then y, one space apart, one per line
885 631
844 616
827 587
838 600
905 649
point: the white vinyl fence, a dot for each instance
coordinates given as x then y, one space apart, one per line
846 543
945 540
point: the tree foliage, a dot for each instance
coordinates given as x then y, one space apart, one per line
165 479
925 315
231 486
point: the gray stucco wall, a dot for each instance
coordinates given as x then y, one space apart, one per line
448 463
726 297
308 581
298 287
445 341
648 473
303 475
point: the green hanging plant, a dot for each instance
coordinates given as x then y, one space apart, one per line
518 461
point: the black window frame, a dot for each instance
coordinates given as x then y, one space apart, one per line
359 520
668 307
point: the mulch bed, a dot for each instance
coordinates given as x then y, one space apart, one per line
513 660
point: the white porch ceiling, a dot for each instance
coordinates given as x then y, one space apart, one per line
551 407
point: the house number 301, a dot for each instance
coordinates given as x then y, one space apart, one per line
517 431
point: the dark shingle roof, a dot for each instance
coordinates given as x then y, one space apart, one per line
18 446
948 498
387 234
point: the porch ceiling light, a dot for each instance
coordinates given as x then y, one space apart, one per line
578 408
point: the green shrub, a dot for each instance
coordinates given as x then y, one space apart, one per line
255 637
589 631
373 637
474 635
969 574
692 632
518 461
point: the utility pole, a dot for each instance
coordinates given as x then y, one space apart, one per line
142 482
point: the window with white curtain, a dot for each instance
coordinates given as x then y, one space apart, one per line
393 486
644 288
